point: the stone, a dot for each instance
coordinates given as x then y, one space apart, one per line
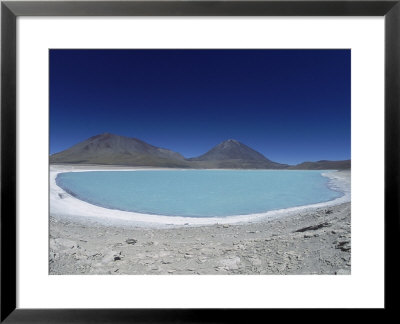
312 228
131 241
343 245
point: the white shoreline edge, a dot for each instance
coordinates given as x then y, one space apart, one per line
63 205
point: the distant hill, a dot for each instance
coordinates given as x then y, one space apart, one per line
110 149
323 165
119 150
233 154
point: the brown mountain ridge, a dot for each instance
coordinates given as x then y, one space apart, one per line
110 149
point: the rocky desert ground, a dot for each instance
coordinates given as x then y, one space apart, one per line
315 241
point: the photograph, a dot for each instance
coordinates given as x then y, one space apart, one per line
199 161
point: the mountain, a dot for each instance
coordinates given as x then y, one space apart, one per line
118 150
110 149
323 165
233 154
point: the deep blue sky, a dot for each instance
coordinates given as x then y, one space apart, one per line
290 105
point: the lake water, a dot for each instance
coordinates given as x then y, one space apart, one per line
198 193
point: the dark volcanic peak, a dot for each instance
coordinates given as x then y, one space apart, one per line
236 155
114 144
109 148
231 149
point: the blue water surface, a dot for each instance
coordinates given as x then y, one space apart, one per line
198 193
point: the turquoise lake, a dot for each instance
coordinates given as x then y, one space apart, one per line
198 193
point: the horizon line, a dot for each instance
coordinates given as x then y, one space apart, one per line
186 158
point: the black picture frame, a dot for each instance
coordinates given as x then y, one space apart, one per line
10 10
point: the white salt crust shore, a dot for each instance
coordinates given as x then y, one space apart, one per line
67 207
